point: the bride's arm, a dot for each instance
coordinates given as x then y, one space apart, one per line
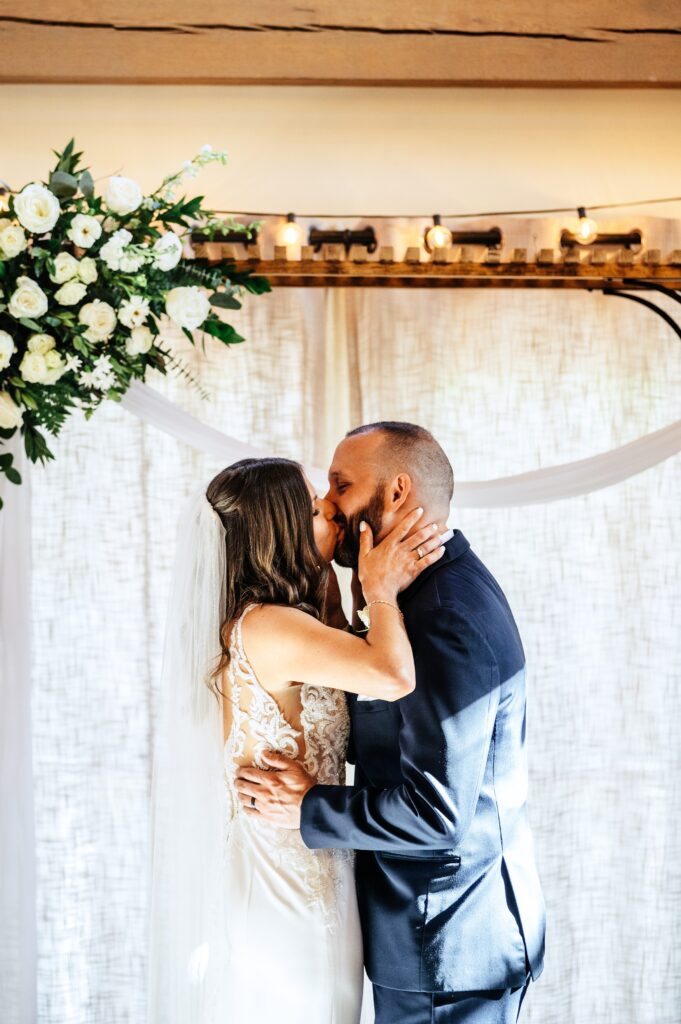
284 644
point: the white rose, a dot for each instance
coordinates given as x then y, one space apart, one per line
140 341
56 367
100 318
84 230
187 306
70 293
41 343
167 251
123 195
112 251
11 415
133 311
7 349
12 240
87 270
65 268
37 208
28 300
33 368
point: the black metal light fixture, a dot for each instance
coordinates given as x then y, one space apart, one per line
227 237
440 237
362 236
587 233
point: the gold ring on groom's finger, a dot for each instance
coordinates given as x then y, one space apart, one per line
420 552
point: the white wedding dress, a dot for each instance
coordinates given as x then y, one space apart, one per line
294 946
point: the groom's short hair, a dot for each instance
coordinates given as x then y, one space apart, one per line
412 449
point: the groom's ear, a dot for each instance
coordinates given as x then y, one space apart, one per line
398 491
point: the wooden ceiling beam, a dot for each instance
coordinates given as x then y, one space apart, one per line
386 42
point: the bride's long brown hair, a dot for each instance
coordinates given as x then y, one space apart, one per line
271 555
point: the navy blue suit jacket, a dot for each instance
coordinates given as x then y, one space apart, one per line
448 890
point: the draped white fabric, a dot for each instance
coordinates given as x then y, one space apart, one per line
534 488
511 383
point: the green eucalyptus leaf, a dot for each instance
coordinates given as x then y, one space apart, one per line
12 475
224 300
86 184
63 185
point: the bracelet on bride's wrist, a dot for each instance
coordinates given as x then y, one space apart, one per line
365 615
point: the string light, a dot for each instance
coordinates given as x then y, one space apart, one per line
437 237
587 229
291 232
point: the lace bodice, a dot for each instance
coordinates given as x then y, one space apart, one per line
258 723
315 731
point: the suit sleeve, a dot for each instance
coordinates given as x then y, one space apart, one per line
446 729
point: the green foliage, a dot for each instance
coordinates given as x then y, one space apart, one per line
222 331
83 373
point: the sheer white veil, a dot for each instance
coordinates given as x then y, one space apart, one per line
188 947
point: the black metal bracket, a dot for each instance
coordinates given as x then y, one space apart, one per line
652 286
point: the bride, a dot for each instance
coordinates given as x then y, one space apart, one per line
247 923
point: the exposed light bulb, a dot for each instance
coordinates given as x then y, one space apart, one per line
291 232
587 229
438 236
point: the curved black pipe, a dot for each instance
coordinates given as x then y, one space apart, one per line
649 305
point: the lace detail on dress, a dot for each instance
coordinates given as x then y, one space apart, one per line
325 726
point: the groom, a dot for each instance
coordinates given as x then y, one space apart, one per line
450 900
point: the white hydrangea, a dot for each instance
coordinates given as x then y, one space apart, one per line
112 250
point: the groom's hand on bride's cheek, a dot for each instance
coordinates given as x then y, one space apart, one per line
278 793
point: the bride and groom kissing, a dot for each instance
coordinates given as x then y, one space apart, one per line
422 871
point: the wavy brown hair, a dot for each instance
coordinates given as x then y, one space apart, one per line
271 555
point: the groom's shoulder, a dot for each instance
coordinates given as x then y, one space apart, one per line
460 583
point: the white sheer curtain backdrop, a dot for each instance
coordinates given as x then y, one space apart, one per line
17 838
509 382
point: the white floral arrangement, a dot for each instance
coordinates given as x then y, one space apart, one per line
85 281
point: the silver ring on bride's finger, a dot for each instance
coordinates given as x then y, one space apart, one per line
420 552
253 802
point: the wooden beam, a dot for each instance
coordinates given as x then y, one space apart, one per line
374 273
386 42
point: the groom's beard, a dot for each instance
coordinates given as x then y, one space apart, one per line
347 551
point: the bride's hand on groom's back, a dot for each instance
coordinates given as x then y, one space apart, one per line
390 566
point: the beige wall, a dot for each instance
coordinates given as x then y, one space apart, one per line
354 150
